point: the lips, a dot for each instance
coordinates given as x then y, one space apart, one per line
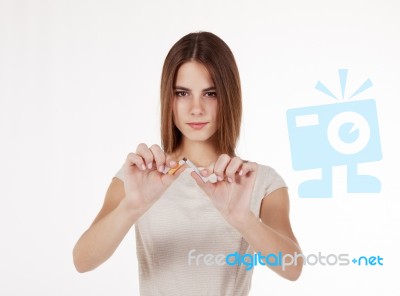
197 125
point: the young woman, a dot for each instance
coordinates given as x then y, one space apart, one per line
183 224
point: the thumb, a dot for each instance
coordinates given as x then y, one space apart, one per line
207 187
197 178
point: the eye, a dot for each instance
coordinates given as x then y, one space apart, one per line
181 93
211 94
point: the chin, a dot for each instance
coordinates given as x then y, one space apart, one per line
198 137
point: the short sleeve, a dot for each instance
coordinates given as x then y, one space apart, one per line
274 181
120 173
267 180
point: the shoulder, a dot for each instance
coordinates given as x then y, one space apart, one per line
120 173
268 179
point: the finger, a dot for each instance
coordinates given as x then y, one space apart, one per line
179 169
233 167
207 187
197 178
144 151
169 178
159 157
170 162
171 171
134 159
247 168
205 172
220 166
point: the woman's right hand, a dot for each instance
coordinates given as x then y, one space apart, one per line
144 180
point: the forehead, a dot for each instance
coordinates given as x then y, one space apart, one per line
193 75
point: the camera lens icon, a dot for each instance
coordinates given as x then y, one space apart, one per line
348 132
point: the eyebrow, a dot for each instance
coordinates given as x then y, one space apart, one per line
188 89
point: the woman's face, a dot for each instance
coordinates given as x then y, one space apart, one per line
195 102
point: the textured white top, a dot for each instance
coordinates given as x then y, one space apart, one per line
184 219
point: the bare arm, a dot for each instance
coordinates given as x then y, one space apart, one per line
125 202
273 233
108 229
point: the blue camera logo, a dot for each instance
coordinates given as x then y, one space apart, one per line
344 133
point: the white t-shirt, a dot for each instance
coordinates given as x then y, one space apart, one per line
183 220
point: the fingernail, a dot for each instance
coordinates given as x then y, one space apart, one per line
161 168
241 172
150 165
229 180
220 178
172 163
143 167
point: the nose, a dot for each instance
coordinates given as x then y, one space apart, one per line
197 107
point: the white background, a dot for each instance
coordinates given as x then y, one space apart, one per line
79 89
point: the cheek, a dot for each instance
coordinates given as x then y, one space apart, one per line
176 111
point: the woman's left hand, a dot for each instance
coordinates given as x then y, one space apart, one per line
231 194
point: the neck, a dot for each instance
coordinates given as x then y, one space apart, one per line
201 153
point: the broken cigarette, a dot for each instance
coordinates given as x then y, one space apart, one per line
171 171
212 178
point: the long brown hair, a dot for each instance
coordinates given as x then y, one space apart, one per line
211 51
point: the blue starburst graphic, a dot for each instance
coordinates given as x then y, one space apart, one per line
343 82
